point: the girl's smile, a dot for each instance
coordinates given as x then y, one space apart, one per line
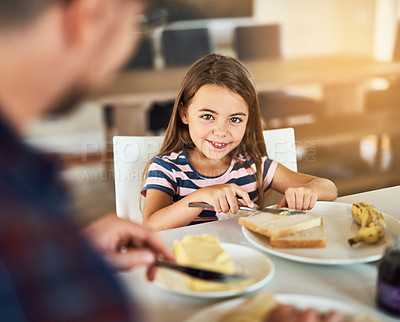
218 145
217 119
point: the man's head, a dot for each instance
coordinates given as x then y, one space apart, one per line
52 50
17 12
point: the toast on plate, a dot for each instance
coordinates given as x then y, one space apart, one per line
309 238
275 225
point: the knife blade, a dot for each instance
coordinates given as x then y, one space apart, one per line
200 273
265 209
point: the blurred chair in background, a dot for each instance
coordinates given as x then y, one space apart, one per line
185 46
155 16
257 42
158 117
159 112
143 56
179 47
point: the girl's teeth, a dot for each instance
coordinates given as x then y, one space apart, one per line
218 144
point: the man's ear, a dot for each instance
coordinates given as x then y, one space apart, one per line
82 19
183 113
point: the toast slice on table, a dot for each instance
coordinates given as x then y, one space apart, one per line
309 238
275 225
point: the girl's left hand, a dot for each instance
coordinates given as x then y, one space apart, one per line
300 198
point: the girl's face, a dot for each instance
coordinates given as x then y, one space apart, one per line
217 119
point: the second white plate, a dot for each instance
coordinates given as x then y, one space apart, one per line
339 226
212 313
248 261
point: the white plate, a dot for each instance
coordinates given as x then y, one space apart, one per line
211 313
339 226
248 261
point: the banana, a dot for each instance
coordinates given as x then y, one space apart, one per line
372 223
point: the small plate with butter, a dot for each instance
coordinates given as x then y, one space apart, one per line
208 253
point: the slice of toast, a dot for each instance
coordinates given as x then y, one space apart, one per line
309 238
273 226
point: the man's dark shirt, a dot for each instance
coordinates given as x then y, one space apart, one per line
48 272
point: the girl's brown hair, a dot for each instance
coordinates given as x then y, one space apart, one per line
227 72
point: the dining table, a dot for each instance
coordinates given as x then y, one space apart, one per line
353 284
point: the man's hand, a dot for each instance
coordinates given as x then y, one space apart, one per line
126 244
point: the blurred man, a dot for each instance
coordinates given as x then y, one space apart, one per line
52 52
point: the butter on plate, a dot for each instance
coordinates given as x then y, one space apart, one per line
204 251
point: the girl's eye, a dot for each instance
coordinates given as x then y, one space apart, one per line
235 120
207 117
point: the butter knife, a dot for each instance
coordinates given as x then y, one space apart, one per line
200 273
265 209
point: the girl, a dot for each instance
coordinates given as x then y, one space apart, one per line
214 152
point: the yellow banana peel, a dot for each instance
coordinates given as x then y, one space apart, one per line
371 221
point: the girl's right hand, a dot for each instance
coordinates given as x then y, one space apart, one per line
224 197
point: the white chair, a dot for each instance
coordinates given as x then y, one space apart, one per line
131 154
281 146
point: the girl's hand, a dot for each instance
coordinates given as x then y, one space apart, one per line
224 197
300 198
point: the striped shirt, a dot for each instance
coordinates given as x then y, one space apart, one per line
173 174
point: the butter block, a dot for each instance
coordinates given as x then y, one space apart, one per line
204 251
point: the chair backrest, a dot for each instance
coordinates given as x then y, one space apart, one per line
281 146
143 57
185 46
131 154
258 42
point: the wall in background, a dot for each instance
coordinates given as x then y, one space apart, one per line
314 27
